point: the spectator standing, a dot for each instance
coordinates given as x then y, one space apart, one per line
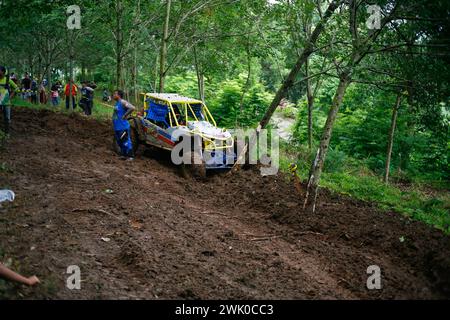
26 86
54 92
70 93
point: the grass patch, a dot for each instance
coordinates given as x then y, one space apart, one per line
361 183
100 111
5 168
413 203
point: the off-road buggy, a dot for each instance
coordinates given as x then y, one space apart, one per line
169 119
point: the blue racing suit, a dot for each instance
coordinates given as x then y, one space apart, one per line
122 130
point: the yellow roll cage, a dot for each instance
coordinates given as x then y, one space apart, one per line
168 99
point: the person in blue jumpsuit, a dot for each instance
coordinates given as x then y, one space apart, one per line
122 110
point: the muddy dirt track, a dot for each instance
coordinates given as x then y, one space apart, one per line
226 238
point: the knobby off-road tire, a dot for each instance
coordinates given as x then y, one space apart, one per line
197 166
135 141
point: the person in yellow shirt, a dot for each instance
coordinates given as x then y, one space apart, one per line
7 91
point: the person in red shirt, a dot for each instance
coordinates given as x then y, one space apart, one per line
70 92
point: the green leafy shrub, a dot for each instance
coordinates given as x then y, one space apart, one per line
226 106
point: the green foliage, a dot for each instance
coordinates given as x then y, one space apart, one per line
183 83
361 133
290 111
4 167
227 104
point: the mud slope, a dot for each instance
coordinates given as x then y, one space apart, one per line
227 238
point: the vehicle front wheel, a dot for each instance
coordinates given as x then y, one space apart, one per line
197 166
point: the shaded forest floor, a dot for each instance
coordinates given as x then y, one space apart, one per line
229 238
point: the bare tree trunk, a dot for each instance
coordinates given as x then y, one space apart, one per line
155 82
40 70
83 72
317 166
49 72
249 73
125 82
391 137
49 83
71 80
119 44
134 75
310 98
165 38
202 86
200 77
30 63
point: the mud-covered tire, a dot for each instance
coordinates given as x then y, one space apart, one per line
197 166
193 170
134 136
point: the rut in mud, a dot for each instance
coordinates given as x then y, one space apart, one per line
234 237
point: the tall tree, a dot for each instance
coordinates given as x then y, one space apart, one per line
391 137
164 42
290 79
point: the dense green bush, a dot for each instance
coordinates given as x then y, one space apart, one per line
185 84
226 105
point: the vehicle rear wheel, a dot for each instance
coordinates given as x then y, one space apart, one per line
134 136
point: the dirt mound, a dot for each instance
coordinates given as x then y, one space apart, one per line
139 230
